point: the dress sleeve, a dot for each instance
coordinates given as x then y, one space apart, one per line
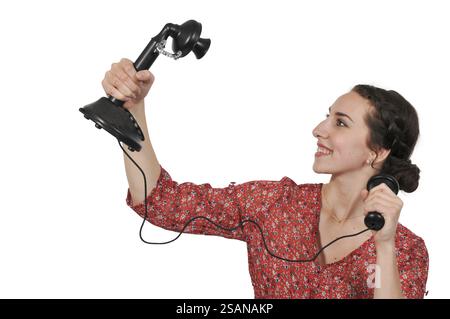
413 269
171 205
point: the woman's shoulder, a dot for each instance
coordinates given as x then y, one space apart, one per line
305 187
306 192
287 187
286 182
407 240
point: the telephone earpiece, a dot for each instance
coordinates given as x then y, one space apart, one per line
374 220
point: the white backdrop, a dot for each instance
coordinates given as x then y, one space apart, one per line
245 111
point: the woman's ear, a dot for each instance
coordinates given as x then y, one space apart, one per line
382 154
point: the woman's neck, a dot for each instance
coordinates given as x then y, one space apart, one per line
343 200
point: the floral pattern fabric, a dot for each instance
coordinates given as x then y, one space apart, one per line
289 217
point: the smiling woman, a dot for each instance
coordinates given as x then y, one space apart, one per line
391 128
294 218
370 131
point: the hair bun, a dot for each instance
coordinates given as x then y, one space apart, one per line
406 173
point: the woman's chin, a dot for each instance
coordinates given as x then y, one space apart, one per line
320 169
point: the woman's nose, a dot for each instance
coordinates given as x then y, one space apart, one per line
319 131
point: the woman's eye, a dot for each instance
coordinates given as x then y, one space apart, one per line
338 121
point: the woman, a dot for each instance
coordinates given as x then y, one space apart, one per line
368 131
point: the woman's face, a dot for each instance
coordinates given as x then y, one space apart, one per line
345 135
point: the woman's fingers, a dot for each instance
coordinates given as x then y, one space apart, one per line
123 82
145 76
119 84
112 91
129 76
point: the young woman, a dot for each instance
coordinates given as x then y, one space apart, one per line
368 131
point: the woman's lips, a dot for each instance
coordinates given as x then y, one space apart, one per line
323 151
323 146
320 154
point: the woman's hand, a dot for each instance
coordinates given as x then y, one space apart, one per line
124 83
383 200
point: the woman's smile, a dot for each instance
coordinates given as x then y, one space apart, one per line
323 152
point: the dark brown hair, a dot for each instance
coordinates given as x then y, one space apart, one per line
393 124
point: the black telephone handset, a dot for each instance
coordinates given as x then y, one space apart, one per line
374 220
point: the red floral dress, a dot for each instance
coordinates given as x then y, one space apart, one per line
289 217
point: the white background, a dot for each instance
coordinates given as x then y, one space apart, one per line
244 112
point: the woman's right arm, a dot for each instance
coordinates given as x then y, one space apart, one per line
145 158
170 204
124 83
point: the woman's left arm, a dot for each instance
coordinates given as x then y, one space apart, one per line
389 279
382 199
403 274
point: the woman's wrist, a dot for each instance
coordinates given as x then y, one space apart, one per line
385 246
138 110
